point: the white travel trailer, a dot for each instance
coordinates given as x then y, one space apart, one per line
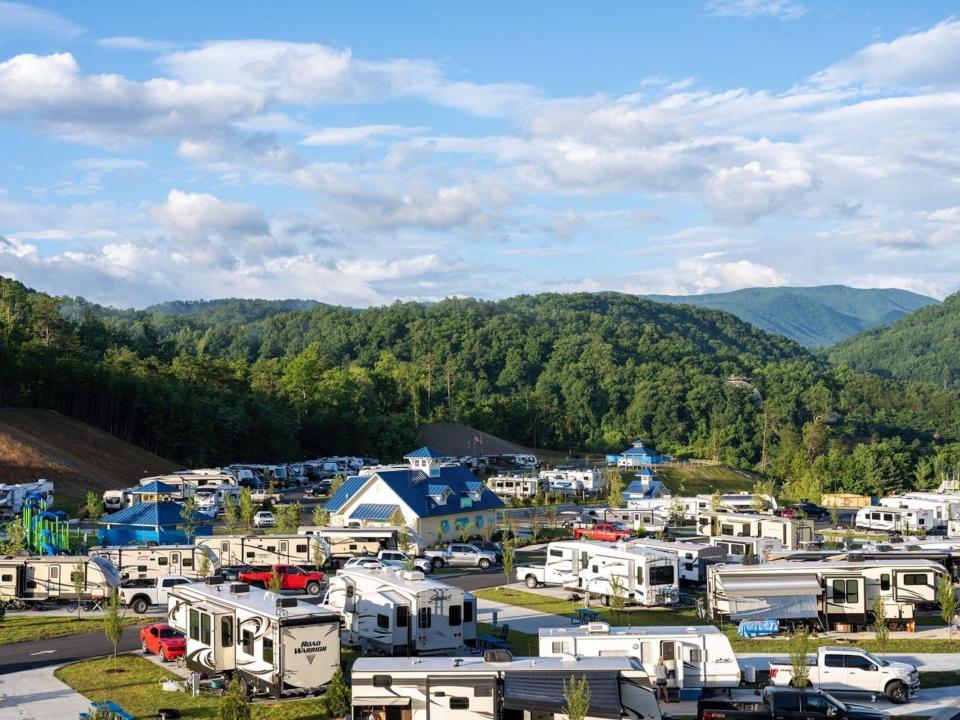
272 643
696 657
793 534
823 593
266 550
497 687
746 549
693 559
516 486
894 520
640 576
185 483
348 542
397 611
943 506
34 580
114 500
13 497
137 562
636 519
212 499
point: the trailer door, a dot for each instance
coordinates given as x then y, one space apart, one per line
225 647
672 653
175 564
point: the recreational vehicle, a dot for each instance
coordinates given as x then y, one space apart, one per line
693 559
793 534
272 643
114 500
943 506
347 542
516 486
696 657
746 549
34 580
212 499
398 611
823 592
639 576
266 550
137 562
497 687
14 497
894 520
636 519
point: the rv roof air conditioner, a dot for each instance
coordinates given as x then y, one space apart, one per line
239 588
598 627
412 575
214 580
285 602
497 656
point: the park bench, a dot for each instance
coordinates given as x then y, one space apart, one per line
584 616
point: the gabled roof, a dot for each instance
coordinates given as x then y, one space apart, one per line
638 489
152 488
425 452
640 451
438 490
371 511
474 487
152 514
346 491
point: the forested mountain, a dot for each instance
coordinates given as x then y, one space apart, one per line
813 316
924 346
211 312
579 372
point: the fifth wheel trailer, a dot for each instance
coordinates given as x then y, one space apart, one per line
35 580
272 643
138 562
266 550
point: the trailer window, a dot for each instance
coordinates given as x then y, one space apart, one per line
558 648
846 591
888 517
885 582
246 640
301 548
188 562
403 614
226 632
7 578
456 615
726 529
915 579
468 611
268 650
459 703
194 625
204 628
556 553
662 575
382 681
696 655
161 560
424 618
383 622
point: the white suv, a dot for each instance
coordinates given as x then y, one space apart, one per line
264 518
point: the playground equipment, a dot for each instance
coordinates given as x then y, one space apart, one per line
47 532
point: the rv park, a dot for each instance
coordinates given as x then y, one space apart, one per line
474 585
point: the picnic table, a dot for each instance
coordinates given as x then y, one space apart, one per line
111 707
495 642
584 616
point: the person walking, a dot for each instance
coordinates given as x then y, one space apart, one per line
660 674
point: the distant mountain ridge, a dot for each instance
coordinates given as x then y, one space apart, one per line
815 317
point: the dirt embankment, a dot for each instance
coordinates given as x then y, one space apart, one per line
75 456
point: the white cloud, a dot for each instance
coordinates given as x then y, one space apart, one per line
780 9
356 135
19 18
139 44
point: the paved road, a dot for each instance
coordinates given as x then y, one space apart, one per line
16 657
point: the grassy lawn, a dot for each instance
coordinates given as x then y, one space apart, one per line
521 643
939 678
22 629
703 480
137 690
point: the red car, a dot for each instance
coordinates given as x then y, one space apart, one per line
291 578
163 640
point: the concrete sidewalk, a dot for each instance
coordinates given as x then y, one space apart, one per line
38 695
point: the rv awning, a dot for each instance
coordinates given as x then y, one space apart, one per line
770 585
773 607
543 691
387 701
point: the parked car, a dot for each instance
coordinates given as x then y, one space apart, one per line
805 509
603 531
402 559
139 595
262 496
850 669
783 703
291 578
461 555
320 489
232 572
161 639
489 546
264 518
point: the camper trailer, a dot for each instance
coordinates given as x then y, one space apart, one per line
137 562
640 576
747 549
266 550
398 611
114 500
693 559
34 580
347 542
212 499
696 657
894 520
272 643
793 534
14 497
636 519
943 506
497 687
823 593
516 486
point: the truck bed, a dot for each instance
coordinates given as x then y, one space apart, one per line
731 710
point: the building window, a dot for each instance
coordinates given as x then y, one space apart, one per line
424 618
456 615
444 526
383 622
268 650
479 522
459 703
246 641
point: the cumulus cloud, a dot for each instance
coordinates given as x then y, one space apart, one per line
780 9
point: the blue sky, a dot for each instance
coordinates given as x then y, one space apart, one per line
358 153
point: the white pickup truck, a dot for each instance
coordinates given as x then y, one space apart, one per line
461 555
139 595
850 669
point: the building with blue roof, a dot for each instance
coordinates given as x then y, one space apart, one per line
433 497
149 522
639 454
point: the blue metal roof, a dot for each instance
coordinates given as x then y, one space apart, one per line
371 511
638 490
153 487
346 491
425 452
474 486
647 451
438 490
151 514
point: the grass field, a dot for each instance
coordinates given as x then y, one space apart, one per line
22 629
939 678
137 690
703 480
521 643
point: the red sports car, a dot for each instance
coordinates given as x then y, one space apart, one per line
162 640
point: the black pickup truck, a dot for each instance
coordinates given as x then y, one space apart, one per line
787 704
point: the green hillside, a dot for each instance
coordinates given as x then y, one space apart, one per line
924 347
812 316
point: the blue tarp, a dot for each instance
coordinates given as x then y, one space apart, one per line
758 628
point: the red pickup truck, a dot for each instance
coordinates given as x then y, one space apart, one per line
291 578
607 532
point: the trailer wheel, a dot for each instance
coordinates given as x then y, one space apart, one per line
897 691
530 581
140 606
437 563
605 600
313 588
484 564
